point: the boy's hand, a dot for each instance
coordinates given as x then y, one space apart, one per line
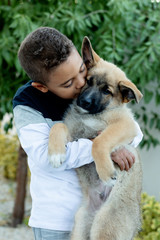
123 158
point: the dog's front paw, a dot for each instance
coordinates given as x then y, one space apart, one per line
57 159
106 174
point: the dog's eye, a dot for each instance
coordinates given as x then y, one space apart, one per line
105 90
90 81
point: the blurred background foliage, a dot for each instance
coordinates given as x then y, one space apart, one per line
8 155
150 219
124 32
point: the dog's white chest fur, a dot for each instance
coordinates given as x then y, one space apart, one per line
94 123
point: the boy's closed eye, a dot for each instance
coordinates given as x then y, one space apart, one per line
69 83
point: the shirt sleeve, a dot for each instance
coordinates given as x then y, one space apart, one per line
138 138
34 140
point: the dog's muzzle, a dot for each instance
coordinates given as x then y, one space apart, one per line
90 100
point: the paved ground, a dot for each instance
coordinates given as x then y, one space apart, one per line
20 233
7 193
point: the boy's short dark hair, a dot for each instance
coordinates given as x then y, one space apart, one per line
42 51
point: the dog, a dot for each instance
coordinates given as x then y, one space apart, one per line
111 198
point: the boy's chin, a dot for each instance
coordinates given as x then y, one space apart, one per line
76 95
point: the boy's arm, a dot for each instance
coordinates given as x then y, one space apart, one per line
33 131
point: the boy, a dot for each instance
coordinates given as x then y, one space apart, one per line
58 74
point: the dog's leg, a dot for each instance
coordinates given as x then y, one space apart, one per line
81 229
109 223
116 134
119 218
58 138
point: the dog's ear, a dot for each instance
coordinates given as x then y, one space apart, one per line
129 91
90 58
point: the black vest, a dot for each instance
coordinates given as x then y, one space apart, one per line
50 105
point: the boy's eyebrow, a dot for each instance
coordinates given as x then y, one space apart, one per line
71 78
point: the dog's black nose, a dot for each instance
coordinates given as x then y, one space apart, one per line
86 103
90 100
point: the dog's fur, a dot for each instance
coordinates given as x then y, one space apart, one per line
111 199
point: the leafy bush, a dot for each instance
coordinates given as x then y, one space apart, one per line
8 155
151 219
124 32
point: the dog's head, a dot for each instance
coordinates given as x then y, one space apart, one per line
107 86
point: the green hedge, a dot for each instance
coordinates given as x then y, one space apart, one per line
8 155
150 219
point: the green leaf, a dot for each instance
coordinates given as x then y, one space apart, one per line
157 98
148 95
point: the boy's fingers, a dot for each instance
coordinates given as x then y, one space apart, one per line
131 161
123 158
122 165
127 165
128 158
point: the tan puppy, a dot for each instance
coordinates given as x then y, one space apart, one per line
107 213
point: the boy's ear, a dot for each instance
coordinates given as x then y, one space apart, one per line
40 87
90 58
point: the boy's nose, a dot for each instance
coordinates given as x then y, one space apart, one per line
80 82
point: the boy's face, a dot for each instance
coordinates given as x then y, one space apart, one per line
67 79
